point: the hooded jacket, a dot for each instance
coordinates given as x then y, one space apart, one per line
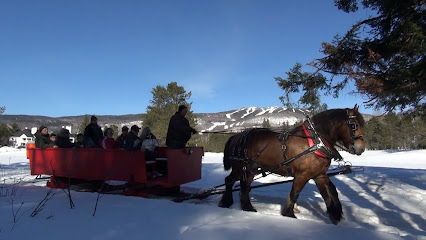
43 140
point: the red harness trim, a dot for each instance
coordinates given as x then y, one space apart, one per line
311 141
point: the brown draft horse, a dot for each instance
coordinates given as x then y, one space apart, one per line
261 150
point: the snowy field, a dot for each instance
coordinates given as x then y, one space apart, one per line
384 200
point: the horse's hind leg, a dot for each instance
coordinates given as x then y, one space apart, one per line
244 192
298 185
227 199
331 198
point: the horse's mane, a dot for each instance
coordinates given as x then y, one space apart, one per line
326 120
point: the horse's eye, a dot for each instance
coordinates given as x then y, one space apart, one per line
354 126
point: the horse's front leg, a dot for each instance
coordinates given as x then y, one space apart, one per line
245 182
227 199
329 194
298 184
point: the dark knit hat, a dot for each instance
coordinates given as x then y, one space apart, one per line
181 107
93 118
41 128
135 128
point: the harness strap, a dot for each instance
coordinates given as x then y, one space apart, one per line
325 150
302 154
316 146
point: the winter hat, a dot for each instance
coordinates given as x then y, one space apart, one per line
135 128
181 107
93 118
41 128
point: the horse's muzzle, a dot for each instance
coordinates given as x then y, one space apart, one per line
359 147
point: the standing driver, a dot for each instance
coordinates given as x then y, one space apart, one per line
92 134
179 131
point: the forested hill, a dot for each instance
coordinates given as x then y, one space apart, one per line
55 123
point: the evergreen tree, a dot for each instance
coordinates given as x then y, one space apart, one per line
383 56
83 124
214 142
392 129
416 132
420 139
373 134
266 123
14 128
286 126
164 103
115 129
4 134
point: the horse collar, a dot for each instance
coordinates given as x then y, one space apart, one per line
325 150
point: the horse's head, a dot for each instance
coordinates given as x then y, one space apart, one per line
352 132
342 127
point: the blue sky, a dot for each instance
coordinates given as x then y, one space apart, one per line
64 58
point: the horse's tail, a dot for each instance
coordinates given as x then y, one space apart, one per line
227 154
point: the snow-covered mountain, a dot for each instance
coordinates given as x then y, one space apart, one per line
236 120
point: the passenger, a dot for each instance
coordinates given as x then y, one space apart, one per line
92 134
179 131
79 141
132 142
63 139
42 138
108 142
149 143
53 137
120 139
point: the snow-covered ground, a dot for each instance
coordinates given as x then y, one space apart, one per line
386 200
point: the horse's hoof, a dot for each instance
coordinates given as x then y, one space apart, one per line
224 204
335 217
288 214
292 216
250 210
334 221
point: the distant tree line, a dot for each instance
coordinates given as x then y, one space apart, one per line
7 131
393 131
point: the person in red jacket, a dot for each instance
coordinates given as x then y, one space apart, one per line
108 141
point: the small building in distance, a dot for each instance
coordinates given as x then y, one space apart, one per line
21 138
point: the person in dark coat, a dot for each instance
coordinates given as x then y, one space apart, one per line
92 134
53 137
63 139
120 139
43 139
132 142
179 131
79 142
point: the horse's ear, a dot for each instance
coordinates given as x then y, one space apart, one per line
356 108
